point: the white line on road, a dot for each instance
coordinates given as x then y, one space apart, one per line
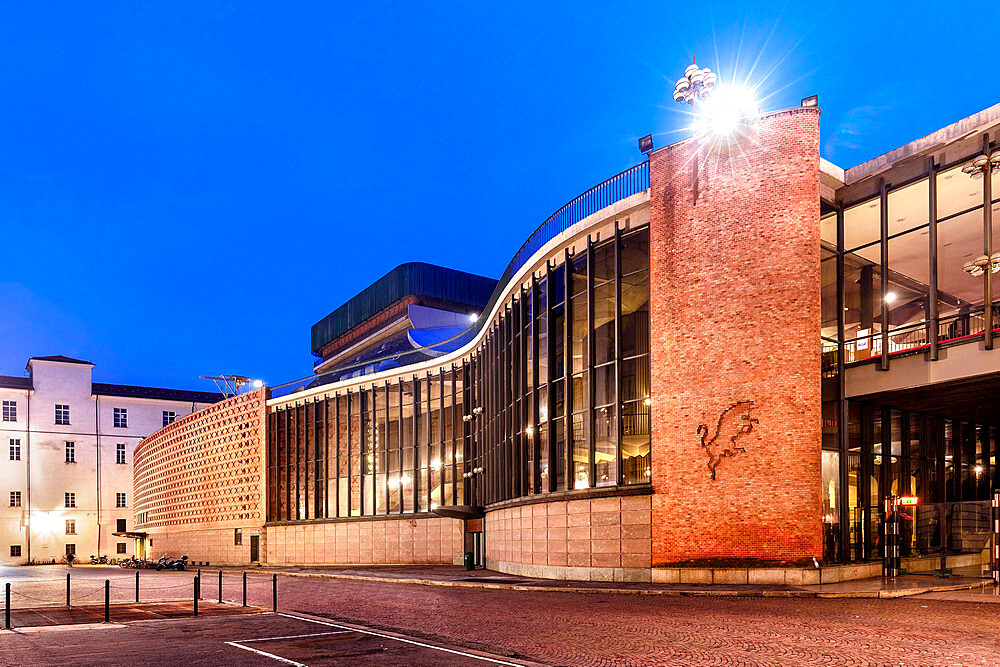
398 639
314 634
268 655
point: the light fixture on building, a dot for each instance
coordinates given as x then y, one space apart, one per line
257 384
529 431
890 297
811 101
696 84
983 165
978 266
646 143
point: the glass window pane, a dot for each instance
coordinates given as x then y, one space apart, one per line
604 384
908 207
605 450
635 442
634 378
960 241
635 251
604 261
828 228
862 224
604 323
635 313
957 192
580 331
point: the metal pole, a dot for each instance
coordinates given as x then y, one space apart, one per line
197 593
198 589
107 600
220 586
6 614
274 592
137 585
67 589
244 589
996 537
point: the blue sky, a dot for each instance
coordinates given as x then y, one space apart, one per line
186 189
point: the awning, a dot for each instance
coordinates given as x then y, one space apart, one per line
460 511
133 535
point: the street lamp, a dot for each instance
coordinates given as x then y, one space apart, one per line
696 84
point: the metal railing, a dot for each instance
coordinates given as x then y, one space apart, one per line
955 329
620 186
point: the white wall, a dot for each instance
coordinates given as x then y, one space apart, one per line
95 477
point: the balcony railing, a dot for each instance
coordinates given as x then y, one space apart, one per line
952 330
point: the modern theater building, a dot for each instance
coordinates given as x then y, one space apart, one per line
715 366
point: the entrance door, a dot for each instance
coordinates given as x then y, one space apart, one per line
254 548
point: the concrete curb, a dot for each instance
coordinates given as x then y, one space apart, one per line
667 592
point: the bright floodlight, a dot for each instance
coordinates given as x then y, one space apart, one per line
257 384
473 317
725 112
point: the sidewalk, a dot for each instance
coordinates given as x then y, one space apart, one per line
453 576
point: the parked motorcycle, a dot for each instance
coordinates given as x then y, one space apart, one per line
98 560
171 564
178 564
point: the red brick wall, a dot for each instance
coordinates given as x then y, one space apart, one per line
735 316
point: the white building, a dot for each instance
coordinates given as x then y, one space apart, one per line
66 448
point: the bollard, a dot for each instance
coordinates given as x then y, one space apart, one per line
274 592
137 585
197 593
107 600
199 582
244 589
220 586
67 589
6 607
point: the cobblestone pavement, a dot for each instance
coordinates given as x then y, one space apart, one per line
593 629
600 629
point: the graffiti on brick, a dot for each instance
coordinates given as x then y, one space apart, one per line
735 422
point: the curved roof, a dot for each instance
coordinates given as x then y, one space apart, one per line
411 279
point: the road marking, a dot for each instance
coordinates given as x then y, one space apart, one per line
401 639
315 634
268 655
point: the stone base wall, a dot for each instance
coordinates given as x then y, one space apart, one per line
427 540
600 539
204 545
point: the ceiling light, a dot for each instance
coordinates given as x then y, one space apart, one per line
890 297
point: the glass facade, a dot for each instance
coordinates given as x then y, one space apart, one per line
555 398
893 284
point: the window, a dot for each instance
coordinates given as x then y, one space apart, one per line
120 526
169 417
70 452
70 549
62 414
69 499
238 536
70 526
10 411
15 551
15 450
120 453
120 548
120 500
15 498
121 418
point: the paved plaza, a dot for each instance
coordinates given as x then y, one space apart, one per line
324 621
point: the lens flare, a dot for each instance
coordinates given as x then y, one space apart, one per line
726 112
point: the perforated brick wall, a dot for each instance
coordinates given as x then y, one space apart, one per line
205 469
735 316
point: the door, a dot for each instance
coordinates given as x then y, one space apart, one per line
254 548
